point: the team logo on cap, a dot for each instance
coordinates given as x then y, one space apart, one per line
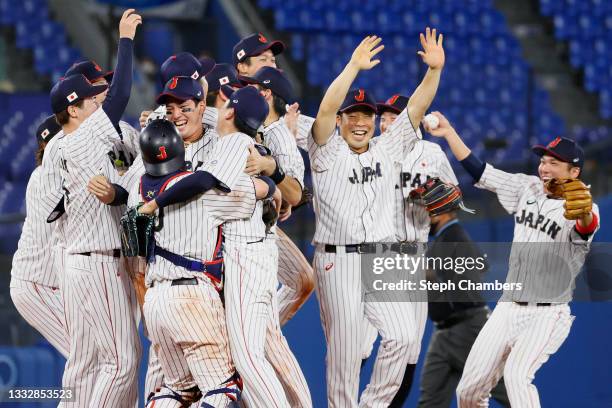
554 143
96 66
360 97
240 54
73 96
576 160
174 83
262 39
195 75
392 99
224 80
266 81
44 134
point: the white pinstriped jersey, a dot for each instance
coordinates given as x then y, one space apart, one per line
355 193
426 160
51 181
210 117
228 160
304 127
190 228
547 270
33 260
125 148
278 138
91 225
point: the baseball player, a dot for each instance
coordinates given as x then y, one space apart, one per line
184 313
424 162
353 181
250 264
97 292
34 287
555 221
458 315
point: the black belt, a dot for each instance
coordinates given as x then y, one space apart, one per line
537 304
409 248
459 317
116 253
184 281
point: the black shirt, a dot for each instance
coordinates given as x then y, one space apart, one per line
452 241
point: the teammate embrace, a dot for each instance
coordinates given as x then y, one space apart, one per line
217 178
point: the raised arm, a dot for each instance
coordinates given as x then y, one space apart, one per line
325 122
423 95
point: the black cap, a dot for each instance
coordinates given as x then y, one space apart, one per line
47 129
90 69
273 79
563 149
358 97
222 74
181 88
162 148
249 106
185 64
254 44
396 104
70 90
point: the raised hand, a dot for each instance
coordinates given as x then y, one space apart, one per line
444 127
291 118
128 24
363 54
433 52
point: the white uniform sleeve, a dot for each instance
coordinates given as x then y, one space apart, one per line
211 115
322 157
577 239
281 143
304 127
92 141
229 158
508 186
51 181
132 175
130 138
134 195
399 138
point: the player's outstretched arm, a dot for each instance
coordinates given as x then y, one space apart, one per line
446 131
362 59
432 55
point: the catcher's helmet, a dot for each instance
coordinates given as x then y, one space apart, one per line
162 147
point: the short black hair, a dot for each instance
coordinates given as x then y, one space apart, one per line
243 127
211 97
279 104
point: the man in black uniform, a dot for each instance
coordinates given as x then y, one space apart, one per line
458 315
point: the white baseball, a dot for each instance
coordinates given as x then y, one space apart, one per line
432 121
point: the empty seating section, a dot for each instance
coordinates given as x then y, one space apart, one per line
36 31
587 27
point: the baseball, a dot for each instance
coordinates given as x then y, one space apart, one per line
431 120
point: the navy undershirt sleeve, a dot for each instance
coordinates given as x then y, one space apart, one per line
473 165
121 195
119 91
189 187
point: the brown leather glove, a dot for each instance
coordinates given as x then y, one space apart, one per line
578 199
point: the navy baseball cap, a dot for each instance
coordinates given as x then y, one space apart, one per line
181 88
356 98
396 104
222 74
273 79
47 129
90 70
185 64
249 106
563 149
70 90
253 45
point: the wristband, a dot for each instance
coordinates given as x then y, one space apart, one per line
271 185
279 175
589 229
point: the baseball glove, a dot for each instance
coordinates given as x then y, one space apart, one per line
269 215
306 198
137 233
578 199
439 197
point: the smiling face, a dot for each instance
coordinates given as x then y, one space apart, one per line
265 59
357 127
386 119
550 167
187 117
